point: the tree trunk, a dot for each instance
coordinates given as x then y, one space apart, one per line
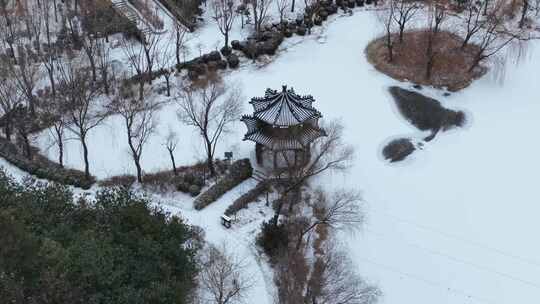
7 127
524 11
92 66
292 5
61 153
466 41
167 80
105 80
173 162
390 48
139 169
226 39
28 150
60 140
85 154
136 157
51 79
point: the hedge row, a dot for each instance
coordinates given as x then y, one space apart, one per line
43 168
243 201
238 172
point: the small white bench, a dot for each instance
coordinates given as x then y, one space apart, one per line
226 221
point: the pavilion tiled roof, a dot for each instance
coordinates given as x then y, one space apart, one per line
284 108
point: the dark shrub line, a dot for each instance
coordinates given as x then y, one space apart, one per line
41 167
238 172
243 201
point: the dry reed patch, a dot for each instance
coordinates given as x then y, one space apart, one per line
451 64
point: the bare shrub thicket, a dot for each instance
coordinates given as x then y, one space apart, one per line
334 280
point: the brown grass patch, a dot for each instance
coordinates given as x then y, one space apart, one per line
450 69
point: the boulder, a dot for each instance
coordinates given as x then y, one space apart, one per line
214 56
233 61
235 44
301 30
226 51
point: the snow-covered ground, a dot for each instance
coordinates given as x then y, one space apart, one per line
455 223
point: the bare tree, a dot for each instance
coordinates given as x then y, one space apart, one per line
26 76
135 56
23 122
79 93
311 12
436 16
10 99
338 211
524 10
282 6
9 25
104 65
224 13
403 12
139 119
33 20
171 141
495 36
54 115
211 107
180 37
151 50
473 22
333 280
260 13
223 276
165 63
328 153
386 17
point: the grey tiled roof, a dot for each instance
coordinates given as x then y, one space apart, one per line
284 108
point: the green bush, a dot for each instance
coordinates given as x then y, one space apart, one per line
273 239
116 249
238 172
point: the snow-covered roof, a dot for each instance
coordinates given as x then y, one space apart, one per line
284 108
276 138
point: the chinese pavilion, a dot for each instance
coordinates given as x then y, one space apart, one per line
283 126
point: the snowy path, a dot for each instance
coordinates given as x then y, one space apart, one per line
240 238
